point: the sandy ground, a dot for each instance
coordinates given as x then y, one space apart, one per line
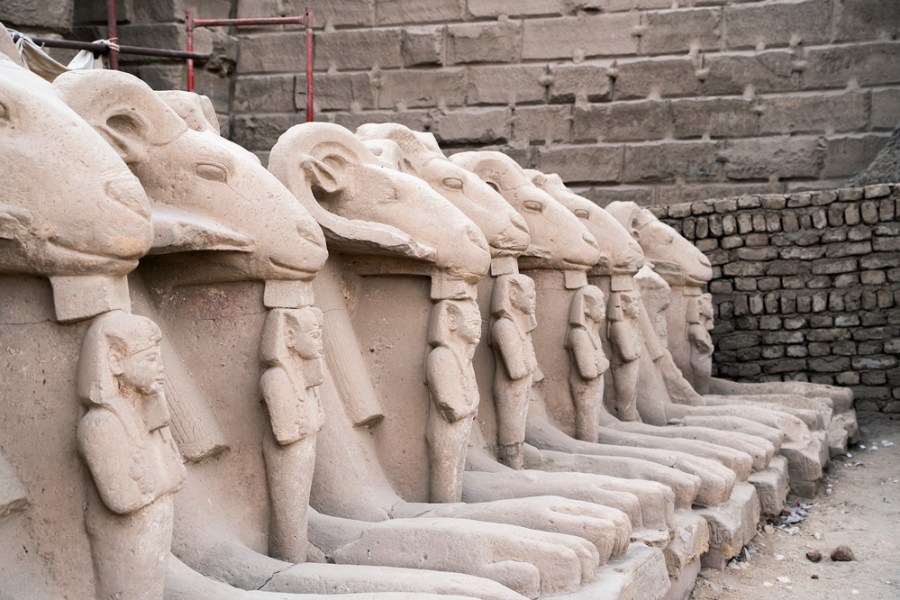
858 506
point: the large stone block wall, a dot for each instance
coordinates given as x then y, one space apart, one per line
806 287
626 99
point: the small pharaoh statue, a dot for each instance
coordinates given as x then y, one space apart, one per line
512 310
588 363
700 323
625 342
125 441
292 353
454 332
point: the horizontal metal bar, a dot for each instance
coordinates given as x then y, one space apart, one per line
249 22
103 48
162 52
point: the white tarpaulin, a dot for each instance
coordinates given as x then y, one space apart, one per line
33 58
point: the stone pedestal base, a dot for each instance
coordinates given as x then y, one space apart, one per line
838 440
656 538
805 462
731 525
772 486
680 587
639 575
690 541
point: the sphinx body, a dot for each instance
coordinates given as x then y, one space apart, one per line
686 269
739 451
249 261
439 278
692 349
616 276
243 268
66 246
569 256
466 181
418 153
619 259
683 269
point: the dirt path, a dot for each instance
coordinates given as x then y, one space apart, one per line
861 511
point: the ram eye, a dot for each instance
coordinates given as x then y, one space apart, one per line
533 205
453 183
581 213
212 172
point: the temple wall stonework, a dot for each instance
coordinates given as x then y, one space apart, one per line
806 286
625 99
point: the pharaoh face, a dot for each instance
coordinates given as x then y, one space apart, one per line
143 370
705 307
468 324
524 298
630 306
306 335
595 307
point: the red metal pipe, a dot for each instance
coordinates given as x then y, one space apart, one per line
189 28
309 65
112 27
190 23
249 22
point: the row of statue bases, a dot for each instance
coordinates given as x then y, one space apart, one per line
367 370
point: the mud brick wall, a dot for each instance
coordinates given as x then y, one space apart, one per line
806 287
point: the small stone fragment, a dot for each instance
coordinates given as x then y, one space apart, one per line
813 576
814 556
842 554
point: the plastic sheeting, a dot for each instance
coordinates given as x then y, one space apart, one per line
32 57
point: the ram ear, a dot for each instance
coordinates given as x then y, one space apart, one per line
324 175
388 152
196 110
629 215
122 109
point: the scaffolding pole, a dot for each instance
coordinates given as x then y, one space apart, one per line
190 24
112 32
